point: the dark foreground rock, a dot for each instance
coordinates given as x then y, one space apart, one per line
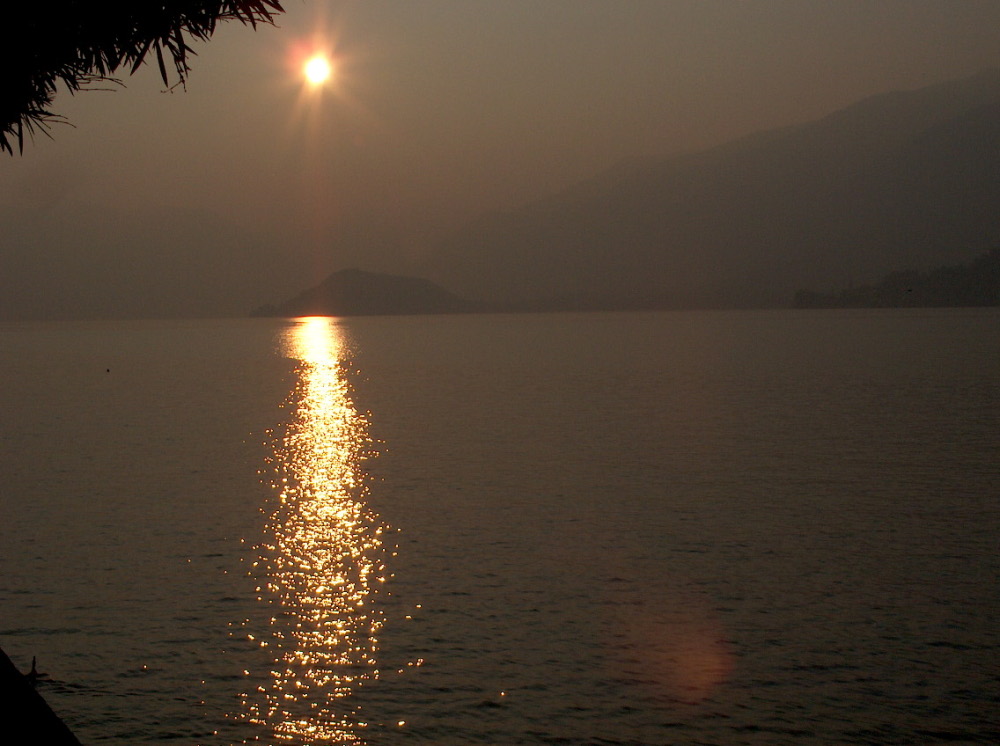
25 717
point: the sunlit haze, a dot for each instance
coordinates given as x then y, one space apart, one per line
444 111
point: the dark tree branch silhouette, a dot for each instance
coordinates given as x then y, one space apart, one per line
83 42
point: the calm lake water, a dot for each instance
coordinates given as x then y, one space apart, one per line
661 528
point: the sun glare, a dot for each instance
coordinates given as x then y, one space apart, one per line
317 70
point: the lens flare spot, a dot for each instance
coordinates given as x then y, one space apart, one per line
675 647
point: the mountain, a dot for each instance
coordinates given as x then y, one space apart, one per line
352 292
968 285
909 178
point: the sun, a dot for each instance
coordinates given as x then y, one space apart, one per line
317 69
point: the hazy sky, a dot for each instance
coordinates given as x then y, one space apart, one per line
444 108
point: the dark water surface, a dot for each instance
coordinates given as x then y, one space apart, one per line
665 528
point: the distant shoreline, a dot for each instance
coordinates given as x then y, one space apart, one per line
972 285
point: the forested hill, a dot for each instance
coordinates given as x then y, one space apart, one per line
974 284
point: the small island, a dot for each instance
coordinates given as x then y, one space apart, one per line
354 292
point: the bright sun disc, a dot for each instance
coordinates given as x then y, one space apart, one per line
317 70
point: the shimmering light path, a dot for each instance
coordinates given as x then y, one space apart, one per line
322 563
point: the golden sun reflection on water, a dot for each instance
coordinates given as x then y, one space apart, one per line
323 562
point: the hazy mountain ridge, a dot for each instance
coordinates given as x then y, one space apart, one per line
901 179
83 261
897 181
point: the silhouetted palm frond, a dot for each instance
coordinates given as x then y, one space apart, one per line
82 42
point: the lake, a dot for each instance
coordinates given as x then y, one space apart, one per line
767 527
